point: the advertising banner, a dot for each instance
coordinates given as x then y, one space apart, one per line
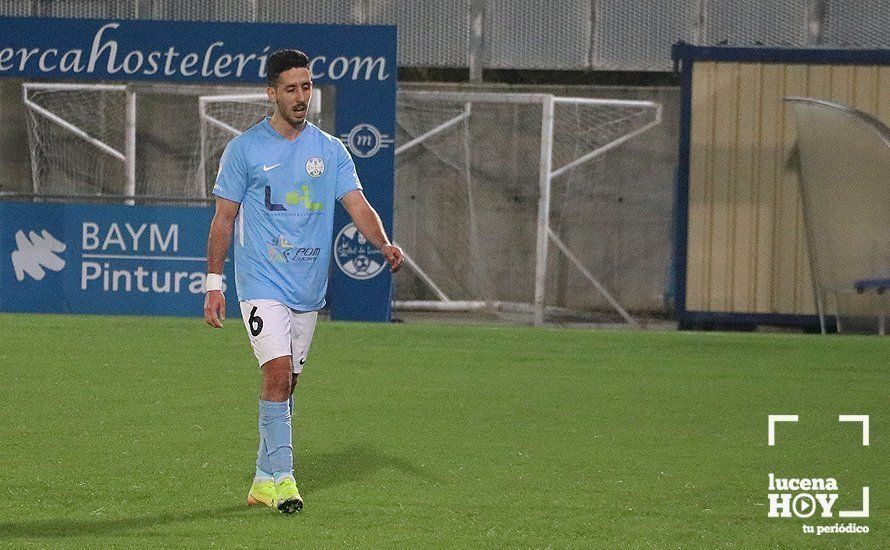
358 61
132 260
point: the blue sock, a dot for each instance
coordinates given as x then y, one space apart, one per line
275 431
263 467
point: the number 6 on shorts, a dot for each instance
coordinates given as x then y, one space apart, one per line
255 322
275 330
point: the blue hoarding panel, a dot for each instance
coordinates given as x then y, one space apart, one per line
134 260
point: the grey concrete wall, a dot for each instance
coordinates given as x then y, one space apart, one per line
14 156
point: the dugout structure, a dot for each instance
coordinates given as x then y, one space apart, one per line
740 252
845 191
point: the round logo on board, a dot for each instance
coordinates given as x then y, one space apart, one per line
364 140
355 256
315 167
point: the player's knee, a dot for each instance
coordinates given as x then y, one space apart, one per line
277 379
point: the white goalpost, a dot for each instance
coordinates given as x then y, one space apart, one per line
224 116
82 138
85 139
217 127
495 162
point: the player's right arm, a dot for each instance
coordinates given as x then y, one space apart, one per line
230 187
217 246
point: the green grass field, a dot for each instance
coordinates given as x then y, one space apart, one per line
141 432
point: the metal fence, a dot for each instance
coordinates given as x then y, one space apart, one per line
624 35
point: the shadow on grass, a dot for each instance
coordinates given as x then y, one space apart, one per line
316 472
61 527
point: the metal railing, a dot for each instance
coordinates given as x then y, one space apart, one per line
114 199
623 35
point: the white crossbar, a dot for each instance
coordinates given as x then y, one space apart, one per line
74 129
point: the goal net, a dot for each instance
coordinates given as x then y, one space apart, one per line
224 116
77 136
502 201
160 142
500 205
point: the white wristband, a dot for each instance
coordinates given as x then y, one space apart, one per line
213 282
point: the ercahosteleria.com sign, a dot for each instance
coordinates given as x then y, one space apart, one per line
106 54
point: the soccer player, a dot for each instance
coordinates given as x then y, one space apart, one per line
277 186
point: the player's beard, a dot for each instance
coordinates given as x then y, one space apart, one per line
292 118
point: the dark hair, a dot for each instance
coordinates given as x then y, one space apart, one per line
283 60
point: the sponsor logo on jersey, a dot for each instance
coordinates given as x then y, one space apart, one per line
355 256
35 254
281 251
301 197
365 140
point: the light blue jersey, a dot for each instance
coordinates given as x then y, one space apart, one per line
288 191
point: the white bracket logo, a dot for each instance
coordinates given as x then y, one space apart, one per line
783 505
863 418
771 431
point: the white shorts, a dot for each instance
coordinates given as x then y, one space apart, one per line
276 330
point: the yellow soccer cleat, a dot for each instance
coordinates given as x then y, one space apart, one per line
287 496
262 491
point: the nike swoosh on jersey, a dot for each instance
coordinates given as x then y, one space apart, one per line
267 168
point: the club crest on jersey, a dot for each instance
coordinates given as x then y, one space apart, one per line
315 167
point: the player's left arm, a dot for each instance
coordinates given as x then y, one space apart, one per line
368 223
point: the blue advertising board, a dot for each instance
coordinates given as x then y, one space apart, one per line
360 61
73 258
